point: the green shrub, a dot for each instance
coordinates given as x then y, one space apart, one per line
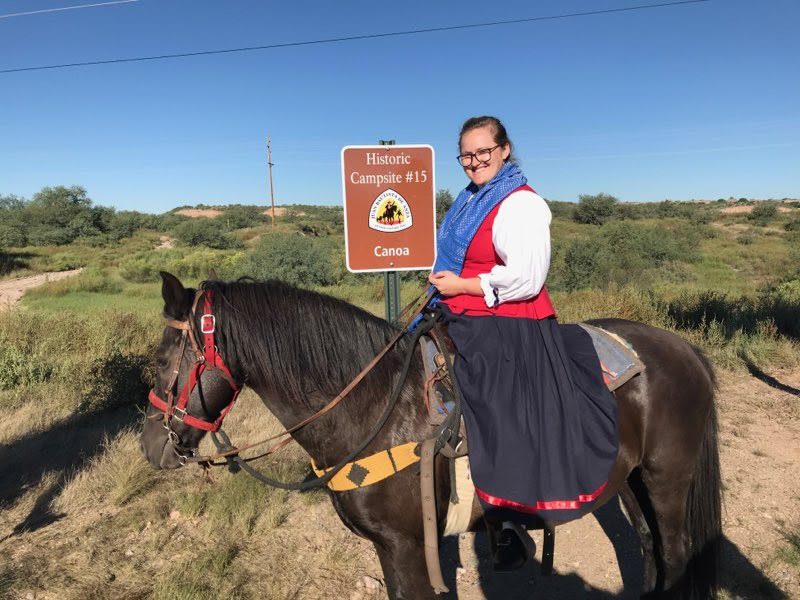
622 252
19 368
762 214
64 261
793 225
314 228
779 306
745 239
10 262
239 217
295 259
49 235
629 211
581 265
332 217
12 233
124 224
190 265
166 222
594 210
559 209
206 232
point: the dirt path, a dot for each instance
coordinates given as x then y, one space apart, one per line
12 290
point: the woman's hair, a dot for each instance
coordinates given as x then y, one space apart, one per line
498 132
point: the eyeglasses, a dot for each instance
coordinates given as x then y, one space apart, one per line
483 155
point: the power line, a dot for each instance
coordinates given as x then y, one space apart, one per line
353 37
76 7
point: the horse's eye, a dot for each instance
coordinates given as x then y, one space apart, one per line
162 363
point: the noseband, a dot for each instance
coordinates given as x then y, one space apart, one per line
207 360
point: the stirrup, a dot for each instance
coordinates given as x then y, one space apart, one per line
513 548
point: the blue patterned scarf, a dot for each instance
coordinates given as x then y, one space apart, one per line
469 210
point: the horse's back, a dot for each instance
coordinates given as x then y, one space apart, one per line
665 353
672 398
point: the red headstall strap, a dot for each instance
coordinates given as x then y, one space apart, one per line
207 360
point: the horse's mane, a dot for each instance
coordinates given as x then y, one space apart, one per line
296 340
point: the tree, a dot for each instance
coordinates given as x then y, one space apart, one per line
58 215
444 200
12 228
11 202
594 210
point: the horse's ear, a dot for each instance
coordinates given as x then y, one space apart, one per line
212 275
177 299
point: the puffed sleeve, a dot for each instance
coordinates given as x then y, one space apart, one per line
521 237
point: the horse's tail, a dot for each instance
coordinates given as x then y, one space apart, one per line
704 507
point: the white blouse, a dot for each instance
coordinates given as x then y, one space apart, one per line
521 237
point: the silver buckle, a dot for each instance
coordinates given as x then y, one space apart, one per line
203 323
175 414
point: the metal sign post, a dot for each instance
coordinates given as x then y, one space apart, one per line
391 279
389 212
391 295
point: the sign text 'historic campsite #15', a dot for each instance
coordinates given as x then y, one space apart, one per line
389 210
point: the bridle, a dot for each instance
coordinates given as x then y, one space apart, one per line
207 360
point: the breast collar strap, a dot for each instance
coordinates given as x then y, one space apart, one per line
206 360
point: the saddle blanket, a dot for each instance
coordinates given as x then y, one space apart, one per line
618 359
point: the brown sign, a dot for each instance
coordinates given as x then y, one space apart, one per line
389 209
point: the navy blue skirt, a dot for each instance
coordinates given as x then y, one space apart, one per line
541 423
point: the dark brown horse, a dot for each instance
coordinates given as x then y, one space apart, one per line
297 349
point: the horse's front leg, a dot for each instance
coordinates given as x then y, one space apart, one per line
404 571
389 514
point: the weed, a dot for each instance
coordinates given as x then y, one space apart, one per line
790 552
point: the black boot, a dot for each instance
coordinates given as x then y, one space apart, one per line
513 547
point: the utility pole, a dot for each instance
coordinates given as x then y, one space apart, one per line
271 192
391 280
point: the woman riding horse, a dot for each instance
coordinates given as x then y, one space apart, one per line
540 421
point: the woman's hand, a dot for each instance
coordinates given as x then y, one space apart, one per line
450 284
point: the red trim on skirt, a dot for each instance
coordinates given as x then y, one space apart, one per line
540 505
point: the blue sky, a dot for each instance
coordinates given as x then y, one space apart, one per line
695 101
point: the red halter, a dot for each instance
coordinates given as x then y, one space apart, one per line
209 359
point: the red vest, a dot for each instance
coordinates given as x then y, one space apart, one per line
480 258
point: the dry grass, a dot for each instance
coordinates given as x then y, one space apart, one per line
114 477
124 531
35 409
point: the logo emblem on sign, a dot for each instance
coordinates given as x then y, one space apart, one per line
390 212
